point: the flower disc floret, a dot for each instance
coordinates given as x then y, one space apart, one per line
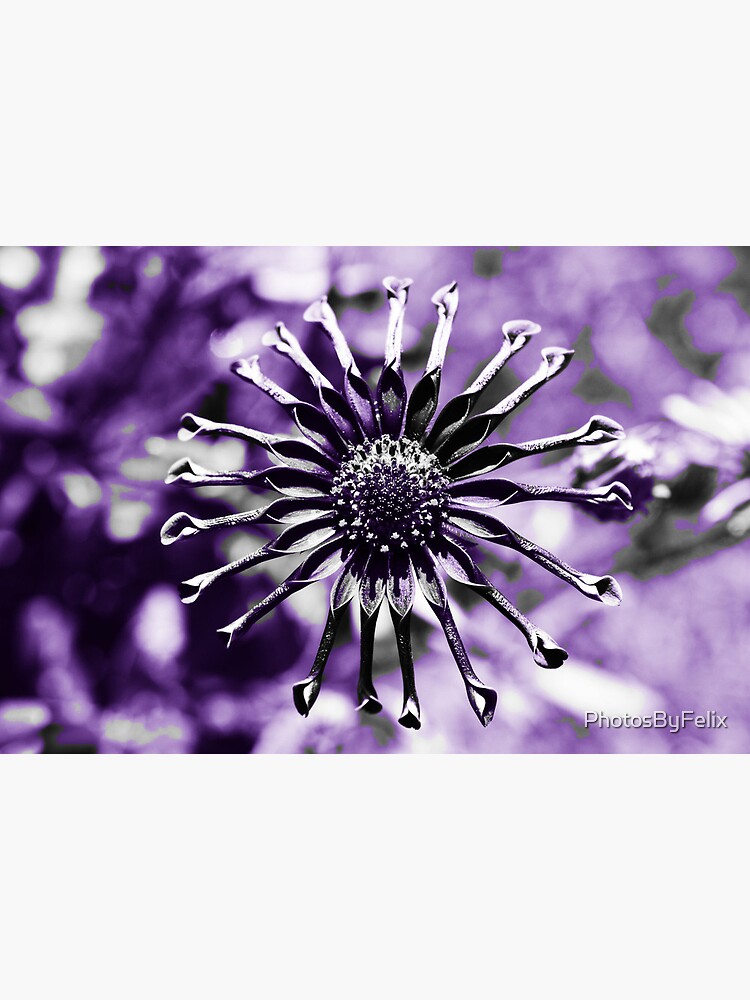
390 493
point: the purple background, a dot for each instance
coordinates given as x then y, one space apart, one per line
104 349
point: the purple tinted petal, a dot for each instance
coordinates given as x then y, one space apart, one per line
318 428
301 455
189 473
283 341
397 290
359 395
422 404
597 431
305 692
340 414
410 714
321 312
182 525
430 581
326 559
494 492
297 482
193 425
482 699
304 536
246 621
445 300
347 585
391 396
374 582
249 370
400 587
190 590
367 696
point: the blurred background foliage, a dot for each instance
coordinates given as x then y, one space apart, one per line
104 349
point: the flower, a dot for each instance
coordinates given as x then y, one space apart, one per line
383 488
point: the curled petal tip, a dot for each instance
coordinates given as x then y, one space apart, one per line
190 425
557 354
484 701
178 469
227 631
602 429
409 718
556 359
609 591
516 328
246 368
370 705
318 311
394 286
178 526
189 590
305 694
619 492
446 296
547 653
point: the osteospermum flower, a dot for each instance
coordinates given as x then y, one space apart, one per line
383 487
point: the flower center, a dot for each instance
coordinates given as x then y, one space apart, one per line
390 493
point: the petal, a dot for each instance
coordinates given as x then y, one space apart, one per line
182 525
391 396
430 581
246 621
284 341
466 437
190 590
456 561
598 430
367 696
374 580
304 536
493 492
599 588
321 312
301 455
359 395
482 699
189 473
515 335
422 404
400 586
446 301
305 692
285 509
487 492
193 425
316 426
323 561
311 421
347 585
410 715
520 331
554 361
248 369
397 290
452 416
340 414
297 482
545 650
326 559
